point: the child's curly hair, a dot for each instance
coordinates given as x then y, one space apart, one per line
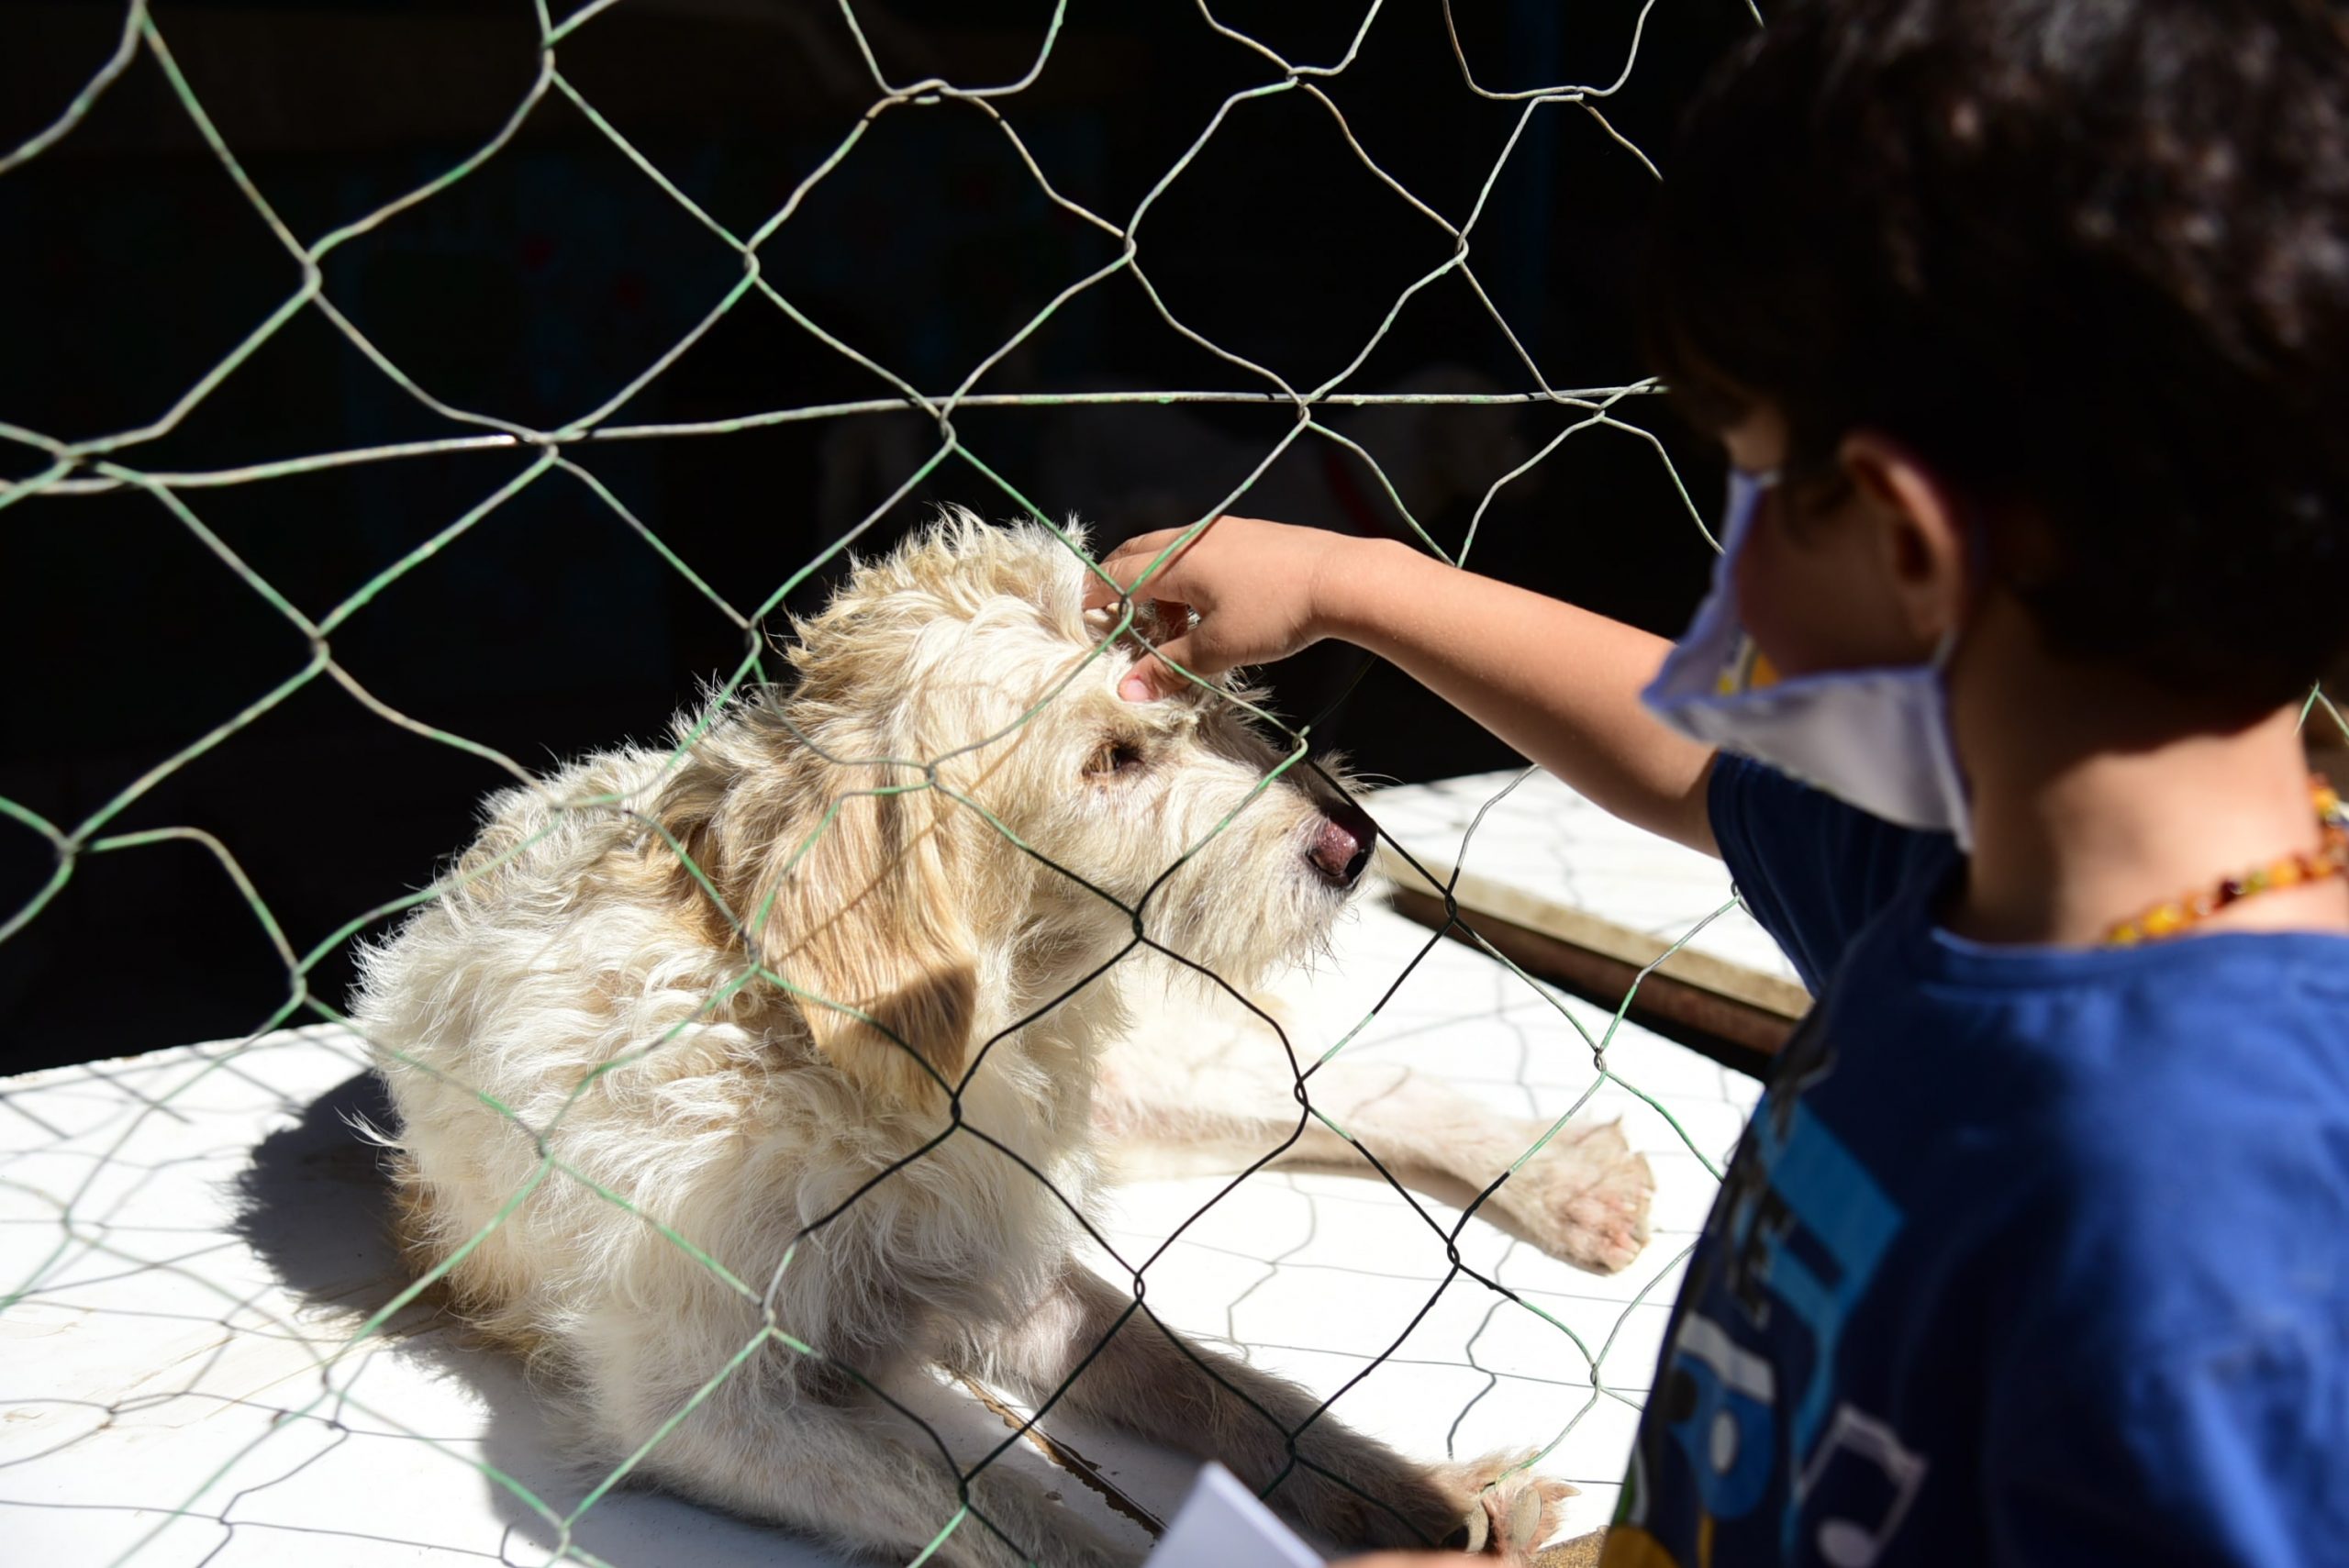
2090 259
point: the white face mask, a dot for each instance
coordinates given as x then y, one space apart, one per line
1878 739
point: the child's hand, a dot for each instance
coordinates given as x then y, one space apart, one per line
1256 587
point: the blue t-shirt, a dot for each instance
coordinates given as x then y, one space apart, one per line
2029 1256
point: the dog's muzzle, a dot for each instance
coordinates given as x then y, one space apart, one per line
1341 846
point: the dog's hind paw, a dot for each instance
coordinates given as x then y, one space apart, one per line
1585 1199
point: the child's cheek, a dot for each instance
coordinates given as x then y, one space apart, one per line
1772 603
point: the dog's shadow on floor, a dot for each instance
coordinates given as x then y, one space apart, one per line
315 1204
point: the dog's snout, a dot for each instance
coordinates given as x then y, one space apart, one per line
1341 846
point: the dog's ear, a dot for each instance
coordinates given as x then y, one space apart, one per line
871 924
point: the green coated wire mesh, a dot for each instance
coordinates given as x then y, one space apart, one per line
563 453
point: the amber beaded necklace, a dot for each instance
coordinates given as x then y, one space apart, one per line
2331 858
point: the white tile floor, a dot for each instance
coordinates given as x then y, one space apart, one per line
196 1231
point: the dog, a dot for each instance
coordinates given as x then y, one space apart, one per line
824 997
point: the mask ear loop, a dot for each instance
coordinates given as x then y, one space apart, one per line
1938 661
1747 491
1977 582
1947 761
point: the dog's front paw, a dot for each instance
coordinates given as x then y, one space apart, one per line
1585 1199
1509 1511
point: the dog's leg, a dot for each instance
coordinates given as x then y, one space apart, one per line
1583 1199
1350 1490
849 1470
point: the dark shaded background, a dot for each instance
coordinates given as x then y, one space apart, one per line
545 282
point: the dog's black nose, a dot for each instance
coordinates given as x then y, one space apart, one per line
1342 848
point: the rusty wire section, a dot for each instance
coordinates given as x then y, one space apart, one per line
565 455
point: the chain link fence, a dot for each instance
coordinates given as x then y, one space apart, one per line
566 454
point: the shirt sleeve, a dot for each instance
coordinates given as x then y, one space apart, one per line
1812 870
2222 1454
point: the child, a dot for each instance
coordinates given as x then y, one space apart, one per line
2025 325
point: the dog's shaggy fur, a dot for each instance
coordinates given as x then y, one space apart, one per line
766 1061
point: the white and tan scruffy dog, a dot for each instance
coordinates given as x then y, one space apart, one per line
854 1054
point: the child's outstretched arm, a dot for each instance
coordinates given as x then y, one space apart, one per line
1559 683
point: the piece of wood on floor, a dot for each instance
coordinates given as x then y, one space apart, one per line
1587 901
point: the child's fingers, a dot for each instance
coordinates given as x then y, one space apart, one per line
1127 562
1153 677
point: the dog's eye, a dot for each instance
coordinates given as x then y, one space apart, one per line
1114 758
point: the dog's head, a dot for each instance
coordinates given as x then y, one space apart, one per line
964 819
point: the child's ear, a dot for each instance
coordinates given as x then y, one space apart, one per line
1927 559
